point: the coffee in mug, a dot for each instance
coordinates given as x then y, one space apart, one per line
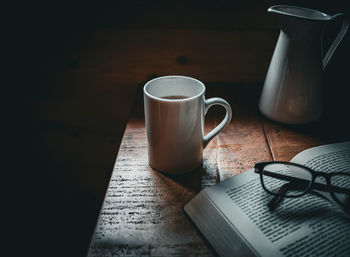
174 97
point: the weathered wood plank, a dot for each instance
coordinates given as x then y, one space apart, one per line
286 141
135 55
142 212
243 142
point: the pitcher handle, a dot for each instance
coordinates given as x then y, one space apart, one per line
337 40
209 103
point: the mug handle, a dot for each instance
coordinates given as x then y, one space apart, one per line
209 103
337 40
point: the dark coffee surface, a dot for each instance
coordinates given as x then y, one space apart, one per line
174 97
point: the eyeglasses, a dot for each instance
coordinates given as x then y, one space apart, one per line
292 180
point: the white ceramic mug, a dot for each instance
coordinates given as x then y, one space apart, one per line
175 127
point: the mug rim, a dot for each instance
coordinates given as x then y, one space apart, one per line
174 100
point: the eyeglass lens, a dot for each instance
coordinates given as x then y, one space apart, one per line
294 179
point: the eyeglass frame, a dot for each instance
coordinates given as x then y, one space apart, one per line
259 166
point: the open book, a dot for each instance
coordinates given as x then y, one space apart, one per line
233 215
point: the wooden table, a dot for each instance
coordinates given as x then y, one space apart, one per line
142 212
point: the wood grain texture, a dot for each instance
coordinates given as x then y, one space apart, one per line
285 142
142 212
133 56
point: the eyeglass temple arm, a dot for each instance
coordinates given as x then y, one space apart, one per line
335 189
316 186
278 197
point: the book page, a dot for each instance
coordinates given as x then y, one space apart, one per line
326 158
305 226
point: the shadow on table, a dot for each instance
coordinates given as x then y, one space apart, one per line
197 179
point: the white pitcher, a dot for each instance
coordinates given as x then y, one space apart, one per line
292 91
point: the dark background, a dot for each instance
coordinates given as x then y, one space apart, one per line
75 67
